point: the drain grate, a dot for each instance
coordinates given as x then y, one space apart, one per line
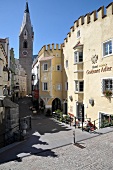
79 145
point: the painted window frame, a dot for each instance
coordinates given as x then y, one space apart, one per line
108 48
77 57
57 67
78 34
77 85
104 84
44 66
66 86
43 86
66 63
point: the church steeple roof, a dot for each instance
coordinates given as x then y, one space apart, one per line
27 8
26 20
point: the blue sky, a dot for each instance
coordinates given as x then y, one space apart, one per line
51 19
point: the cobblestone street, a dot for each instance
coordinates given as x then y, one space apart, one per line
50 146
97 155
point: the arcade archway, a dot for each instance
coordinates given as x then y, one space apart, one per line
56 104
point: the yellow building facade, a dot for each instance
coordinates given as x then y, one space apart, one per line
88 61
53 81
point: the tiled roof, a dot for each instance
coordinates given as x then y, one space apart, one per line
78 45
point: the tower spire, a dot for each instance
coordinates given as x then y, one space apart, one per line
26 45
26 8
26 20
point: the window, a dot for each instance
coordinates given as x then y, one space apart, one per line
107 84
78 33
58 67
105 119
79 86
66 63
25 32
25 44
78 57
76 85
45 86
58 86
107 48
45 66
66 86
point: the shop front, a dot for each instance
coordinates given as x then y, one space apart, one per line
105 120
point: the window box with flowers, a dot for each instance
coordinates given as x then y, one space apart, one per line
107 93
107 86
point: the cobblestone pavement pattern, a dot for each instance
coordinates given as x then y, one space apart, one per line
97 155
49 147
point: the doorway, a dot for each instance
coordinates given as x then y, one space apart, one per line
80 111
56 104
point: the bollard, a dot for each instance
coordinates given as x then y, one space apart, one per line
74 136
70 120
75 122
82 125
94 125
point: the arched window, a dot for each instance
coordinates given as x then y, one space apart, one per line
25 44
25 33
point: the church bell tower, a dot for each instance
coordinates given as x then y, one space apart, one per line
26 36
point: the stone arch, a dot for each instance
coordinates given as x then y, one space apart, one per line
56 104
42 102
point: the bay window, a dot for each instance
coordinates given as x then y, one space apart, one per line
78 57
79 86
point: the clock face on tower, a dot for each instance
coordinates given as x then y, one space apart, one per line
25 53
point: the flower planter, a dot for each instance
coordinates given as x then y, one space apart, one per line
107 93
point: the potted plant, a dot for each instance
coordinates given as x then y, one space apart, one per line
107 93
